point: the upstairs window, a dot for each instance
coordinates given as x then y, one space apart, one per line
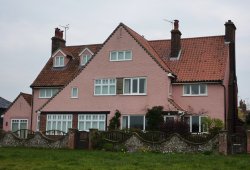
59 61
47 93
74 92
134 86
105 87
195 90
120 55
85 59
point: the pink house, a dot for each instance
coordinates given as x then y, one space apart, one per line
82 86
18 115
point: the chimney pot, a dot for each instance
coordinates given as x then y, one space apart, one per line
176 24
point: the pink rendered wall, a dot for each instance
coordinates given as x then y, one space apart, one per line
212 104
142 65
37 103
19 110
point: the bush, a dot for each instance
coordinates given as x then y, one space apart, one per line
154 118
179 127
248 119
214 125
114 122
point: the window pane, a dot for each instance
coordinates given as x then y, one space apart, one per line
14 126
113 56
203 89
195 123
23 124
125 122
74 92
112 89
81 125
97 90
204 127
142 86
195 88
64 126
136 122
42 92
57 61
61 61
95 125
135 87
127 86
101 126
104 89
186 89
88 125
120 55
128 55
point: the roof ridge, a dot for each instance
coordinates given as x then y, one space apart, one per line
83 45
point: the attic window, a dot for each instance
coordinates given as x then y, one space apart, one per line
85 59
59 61
120 55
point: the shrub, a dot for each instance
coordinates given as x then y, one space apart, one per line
214 125
108 147
154 118
114 122
179 127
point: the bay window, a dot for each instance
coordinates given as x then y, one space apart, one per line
61 122
88 121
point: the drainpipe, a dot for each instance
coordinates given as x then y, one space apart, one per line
225 115
32 105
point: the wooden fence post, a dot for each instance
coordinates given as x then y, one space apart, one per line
92 135
223 142
72 138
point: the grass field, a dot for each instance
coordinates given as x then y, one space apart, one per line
25 159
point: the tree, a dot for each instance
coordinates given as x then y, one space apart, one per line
154 117
114 122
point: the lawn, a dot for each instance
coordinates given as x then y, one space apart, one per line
23 158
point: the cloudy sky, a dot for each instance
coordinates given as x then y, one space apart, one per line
26 28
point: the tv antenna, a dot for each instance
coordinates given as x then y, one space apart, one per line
170 21
66 27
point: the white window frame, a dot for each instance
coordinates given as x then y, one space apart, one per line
38 122
62 118
82 118
117 58
72 93
138 86
19 123
59 61
49 92
128 116
200 123
101 85
199 91
85 58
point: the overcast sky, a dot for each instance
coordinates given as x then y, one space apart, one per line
26 28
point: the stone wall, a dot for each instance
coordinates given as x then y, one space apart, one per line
174 143
38 140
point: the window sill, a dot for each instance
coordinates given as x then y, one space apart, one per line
144 94
74 97
44 97
104 94
198 95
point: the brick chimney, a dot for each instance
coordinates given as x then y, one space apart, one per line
229 31
175 40
57 40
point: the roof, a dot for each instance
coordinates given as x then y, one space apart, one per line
54 77
27 97
201 59
4 103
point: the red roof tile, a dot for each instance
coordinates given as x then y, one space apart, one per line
54 77
201 59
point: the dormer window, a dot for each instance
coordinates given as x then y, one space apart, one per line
59 61
85 59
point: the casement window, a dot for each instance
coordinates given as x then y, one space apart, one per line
61 122
196 124
133 122
85 59
134 86
120 55
195 89
47 92
105 87
74 92
17 124
89 121
59 61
